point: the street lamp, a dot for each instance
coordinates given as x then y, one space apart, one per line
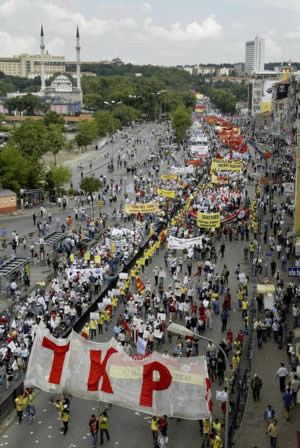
183 331
112 104
155 94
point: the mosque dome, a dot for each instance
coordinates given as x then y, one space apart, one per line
61 84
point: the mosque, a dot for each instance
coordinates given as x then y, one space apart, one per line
61 95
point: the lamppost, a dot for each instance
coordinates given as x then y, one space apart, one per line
112 104
155 95
161 92
134 98
182 331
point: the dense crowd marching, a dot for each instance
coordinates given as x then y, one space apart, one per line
189 288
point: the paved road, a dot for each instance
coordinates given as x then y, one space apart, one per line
127 428
23 224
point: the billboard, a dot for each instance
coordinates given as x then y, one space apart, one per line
266 97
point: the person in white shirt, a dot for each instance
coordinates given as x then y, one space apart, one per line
282 373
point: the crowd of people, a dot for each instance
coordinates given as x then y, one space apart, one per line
195 286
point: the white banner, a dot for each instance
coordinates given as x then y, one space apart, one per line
182 170
84 274
156 385
181 243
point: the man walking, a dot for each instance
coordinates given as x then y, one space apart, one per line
94 428
103 424
256 385
282 373
273 432
269 414
155 428
19 406
287 402
65 415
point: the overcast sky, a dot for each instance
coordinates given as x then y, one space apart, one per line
166 32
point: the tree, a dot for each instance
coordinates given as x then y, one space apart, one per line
29 105
90 184
31 137
59 176
106 123
52 117
93 101
57 140
181 121
125 114
87 133
18 171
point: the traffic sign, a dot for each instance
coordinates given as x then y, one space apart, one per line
100 203
294 271
268 254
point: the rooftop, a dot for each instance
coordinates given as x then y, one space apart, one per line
6 193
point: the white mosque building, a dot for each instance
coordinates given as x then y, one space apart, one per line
61 96
61 88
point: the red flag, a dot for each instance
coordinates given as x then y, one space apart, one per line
126 326
140 286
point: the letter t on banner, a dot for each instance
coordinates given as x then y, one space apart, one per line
98 370
58 359
148 386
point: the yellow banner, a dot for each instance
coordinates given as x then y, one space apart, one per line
219 179
166 193
168 177
235 166
208 220
150 207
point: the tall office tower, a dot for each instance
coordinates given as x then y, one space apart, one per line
255 56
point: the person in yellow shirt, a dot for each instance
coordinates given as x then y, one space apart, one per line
103 425
59 406
235 361
154 428
19 407
100 324
206 431
93 328
122 293
216 441
217 427
30 408
106 316
245 306
65 415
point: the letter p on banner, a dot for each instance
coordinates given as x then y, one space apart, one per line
149 385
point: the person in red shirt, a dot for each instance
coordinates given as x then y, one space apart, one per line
229 336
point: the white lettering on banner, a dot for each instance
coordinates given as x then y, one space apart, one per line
157 385
181 243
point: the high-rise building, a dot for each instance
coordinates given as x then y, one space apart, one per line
255 56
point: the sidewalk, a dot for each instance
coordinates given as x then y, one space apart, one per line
253 431
265 363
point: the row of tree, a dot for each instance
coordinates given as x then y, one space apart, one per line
224 94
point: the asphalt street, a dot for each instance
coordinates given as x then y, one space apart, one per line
23 224
127 428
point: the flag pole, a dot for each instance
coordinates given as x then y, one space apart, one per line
183 331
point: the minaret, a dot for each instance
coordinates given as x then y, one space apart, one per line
42 47
78 59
